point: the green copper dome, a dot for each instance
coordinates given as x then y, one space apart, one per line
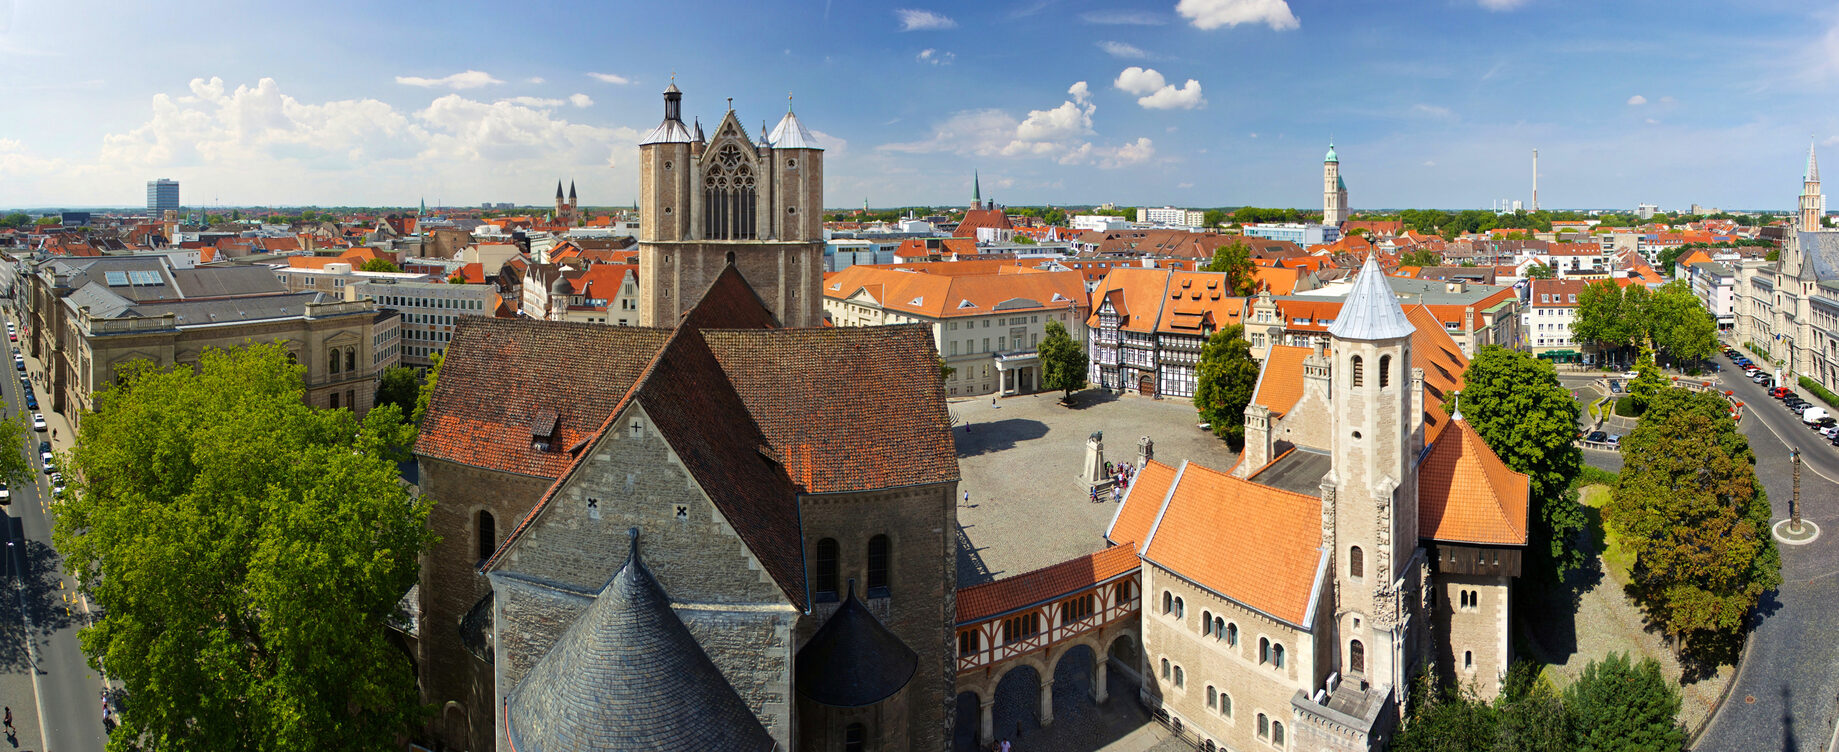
1331 155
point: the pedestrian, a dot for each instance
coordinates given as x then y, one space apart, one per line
967 498
9 716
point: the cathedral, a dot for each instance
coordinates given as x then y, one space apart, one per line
1363 534
1334 190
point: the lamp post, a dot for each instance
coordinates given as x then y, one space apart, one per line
1794 502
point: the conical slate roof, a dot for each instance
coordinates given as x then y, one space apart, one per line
853 660
629 676
1371 311
791 134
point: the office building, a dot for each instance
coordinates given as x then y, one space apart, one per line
162 195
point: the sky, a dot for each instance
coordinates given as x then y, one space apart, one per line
1198 103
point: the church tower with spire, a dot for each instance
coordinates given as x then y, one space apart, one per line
1811 204
976 190
1334 190
727 200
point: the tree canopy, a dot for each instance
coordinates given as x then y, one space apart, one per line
1420 258
1538 271
1613 706
399 386
1671 320
1236 261
1688 506
379 265
1224 381
245 552
15 468
1619 706
1515 403
1063 361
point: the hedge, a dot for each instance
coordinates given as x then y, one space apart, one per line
1588 475
1625 407
1820 391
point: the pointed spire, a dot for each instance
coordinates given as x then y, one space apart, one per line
571 191
1371 311
558 190
1813 165
699 136
976 189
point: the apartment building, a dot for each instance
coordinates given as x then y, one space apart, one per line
1551 309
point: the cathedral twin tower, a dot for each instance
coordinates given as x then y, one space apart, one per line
710 202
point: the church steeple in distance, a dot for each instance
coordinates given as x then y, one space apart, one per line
976 190
1811 208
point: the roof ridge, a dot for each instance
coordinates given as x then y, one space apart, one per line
1469 434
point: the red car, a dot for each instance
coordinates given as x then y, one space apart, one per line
1780 392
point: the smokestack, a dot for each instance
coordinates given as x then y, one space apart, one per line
1535 204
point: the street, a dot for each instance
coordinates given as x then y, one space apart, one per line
1786 694
54 696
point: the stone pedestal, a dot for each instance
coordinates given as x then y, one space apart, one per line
1094 473
1146 451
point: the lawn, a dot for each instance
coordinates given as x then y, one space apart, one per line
1616 557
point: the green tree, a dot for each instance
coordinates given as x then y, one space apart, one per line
1214 218
399 386
1515 403
1688 506
427 387
1538 271
1235 260
1680 325
1617 706
1648 381
1224 381
15 469
16 219
46 221
1063 361
1599 320
245 551
1420 258
379 265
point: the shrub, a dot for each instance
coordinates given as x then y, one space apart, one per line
1829 398
1625 407
1593 476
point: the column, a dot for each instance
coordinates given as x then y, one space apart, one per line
1047 701
986 718
1099 693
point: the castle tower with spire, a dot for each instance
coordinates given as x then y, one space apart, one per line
1812 205
708 203
1334 190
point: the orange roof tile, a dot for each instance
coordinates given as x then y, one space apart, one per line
1280 384
1141 504
1433 350
1198 301
1142 289
1257 545
1466 494
979 602
944 296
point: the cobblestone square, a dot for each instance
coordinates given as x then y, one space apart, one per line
1020 461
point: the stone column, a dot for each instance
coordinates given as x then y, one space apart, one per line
1099 693
1047 701
986 718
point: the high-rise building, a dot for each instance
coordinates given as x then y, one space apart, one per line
1334 190
162 195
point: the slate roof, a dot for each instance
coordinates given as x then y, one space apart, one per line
628 675
219 282
229 310
1257 545
1466 494
1821 251
791 134
988 599
853 660
1371 311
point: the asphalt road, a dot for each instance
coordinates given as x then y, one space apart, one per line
1786 694
38 629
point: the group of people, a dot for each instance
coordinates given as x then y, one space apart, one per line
1122 473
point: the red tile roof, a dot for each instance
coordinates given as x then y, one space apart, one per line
980 218
1280 384
1466 494
979 602
1141 504
1257 545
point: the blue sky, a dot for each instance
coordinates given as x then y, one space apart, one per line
1186 102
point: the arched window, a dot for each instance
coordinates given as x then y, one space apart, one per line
878 567
855 738
1179 610
1355 368
1277 733
1356 658
728 198
1206 623
1168 602
1277 656
1219 628
1213 697
1225 704
1385 371
1264 650
1232 635
332 360
351 359
1180 681
825 584
1123 592
487 530
1165 668
1468 659
1356 563
1264 726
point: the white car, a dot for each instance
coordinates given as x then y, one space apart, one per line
6 496
38 422
48 460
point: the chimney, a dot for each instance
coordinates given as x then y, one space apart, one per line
1258 442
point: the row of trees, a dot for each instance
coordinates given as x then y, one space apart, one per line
1670 320
1615 706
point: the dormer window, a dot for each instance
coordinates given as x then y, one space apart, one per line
543 430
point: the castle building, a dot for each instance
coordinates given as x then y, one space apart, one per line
1793 309
706 203
1363 533
1334 190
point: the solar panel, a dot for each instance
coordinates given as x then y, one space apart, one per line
116 279
145 278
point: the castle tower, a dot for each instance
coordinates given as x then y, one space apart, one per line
1334 190
727 200
1370 497
1810 194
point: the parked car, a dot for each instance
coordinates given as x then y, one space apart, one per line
44 446
1615 439
6 496
50 462
1598 437
38 422
1780 392
1615 387
31 402
1812 415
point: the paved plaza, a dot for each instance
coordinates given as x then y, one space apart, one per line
1020 461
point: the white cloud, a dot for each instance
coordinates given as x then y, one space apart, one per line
534 79
834 146
1502 5
912 19
935 57
610 78
580 100
1428 163
1431 110
1156 93
1651 121
471 79
255 144
1122 50
1059 133
1637 100
1212 14
1122 18
534 101
1184 185
1666 100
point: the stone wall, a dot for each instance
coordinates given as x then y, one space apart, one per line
787 276
1478 631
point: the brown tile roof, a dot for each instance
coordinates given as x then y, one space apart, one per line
1544 290
979 602
1257 545
1468 495
977 218
949 295
499 373
847 408
1141 504
1280 384
730 303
